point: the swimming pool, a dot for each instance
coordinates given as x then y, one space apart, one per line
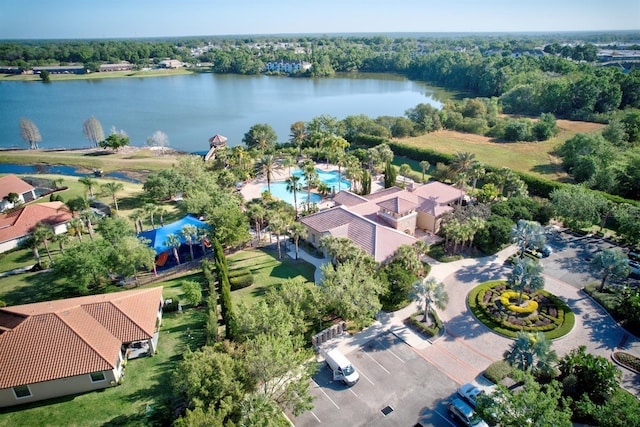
330 178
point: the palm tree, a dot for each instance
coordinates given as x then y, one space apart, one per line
63 239
151 209
31 243
338 249
43 233
277 225
424 165
298 135
88 217
112 189
531 352
258 214
463 161
289 162
477 171
296 231
431 292
525 274
268 166
202 235
528 235
239 154
190 233
310 175
409 259
136 217
76 225
293 186
174 242
89 184
610 263
161 212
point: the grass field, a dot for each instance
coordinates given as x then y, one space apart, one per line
536 158
267 272
127 159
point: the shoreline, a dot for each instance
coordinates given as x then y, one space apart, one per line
99 75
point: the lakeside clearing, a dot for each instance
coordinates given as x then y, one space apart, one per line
103 75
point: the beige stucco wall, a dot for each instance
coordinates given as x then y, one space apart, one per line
60 387
63 386
426 222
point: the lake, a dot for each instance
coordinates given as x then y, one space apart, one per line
192 108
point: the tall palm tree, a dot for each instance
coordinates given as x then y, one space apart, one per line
239 155
88 217
296 231
408 258
202 234
525 274
89 183
278 227
161 212
531 352
463 161
63 239
190 234
43 233
430 292
174 242
31 243
289 162
268 166
293 186
528 235
136 217
112 189
311 176
476 172
258 214
298 135
150 209
76 226
424 165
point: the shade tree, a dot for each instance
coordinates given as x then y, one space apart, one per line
30 133
93 131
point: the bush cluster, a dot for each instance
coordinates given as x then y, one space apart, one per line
240 278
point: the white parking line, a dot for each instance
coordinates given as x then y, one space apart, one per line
383 368
323 392
353 392
365 377
395 355
316 417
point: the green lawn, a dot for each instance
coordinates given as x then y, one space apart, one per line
267 272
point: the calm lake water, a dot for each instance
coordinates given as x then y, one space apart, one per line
192 108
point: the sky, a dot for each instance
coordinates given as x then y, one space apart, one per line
80 19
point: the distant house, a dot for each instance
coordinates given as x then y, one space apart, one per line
171 63
381 222
122 66
57 348
287 66
17 225
61 69
13 184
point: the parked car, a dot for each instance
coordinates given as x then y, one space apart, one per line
470 393
464 413
635 267
341 367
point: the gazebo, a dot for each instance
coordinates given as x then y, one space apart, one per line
216 142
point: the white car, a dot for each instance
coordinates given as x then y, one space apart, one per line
463 412
470 393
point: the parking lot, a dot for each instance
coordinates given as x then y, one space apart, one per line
393 377
571 256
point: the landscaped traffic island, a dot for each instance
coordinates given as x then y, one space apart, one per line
508 312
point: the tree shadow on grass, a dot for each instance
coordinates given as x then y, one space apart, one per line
132 202
41 286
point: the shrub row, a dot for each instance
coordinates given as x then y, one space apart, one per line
239 272
430 331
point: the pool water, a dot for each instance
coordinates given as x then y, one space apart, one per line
330 178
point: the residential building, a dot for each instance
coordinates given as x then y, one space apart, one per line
57 348
287 66
17 225
13 184
381 222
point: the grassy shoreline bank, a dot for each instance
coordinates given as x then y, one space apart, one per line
92 76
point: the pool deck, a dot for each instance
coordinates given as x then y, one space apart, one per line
253 189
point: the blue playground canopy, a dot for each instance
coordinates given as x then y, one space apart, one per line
159 236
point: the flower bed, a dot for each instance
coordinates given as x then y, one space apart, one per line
627 360
493 304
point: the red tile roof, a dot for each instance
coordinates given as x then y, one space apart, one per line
13 184
21 222
58 339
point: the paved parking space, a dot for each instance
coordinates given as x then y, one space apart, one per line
392 374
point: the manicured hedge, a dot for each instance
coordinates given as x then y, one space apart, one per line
240 282
430 331
239 272
498 371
